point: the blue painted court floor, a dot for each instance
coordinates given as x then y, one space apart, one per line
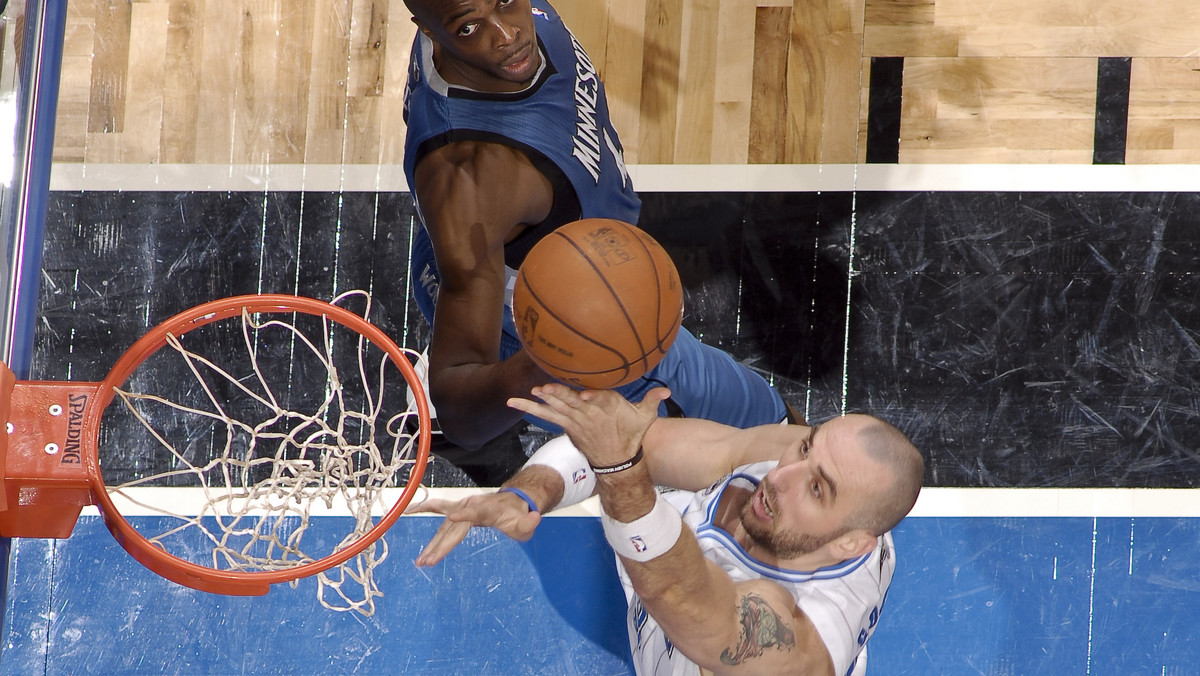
1055 595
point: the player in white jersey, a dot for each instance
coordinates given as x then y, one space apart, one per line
786 559
843 601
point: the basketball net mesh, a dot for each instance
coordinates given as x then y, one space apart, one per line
264 463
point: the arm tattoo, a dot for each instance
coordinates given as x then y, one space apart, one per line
761 628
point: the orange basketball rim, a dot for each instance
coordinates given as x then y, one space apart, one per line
50 462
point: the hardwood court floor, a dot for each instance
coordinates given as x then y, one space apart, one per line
689 81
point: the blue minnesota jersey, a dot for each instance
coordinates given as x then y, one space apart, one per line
561 118
561 123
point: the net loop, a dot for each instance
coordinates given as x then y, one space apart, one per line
309 418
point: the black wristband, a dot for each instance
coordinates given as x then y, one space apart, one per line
619 467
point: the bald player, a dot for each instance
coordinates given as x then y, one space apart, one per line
774 556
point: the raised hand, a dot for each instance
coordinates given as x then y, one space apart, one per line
502 511
602 424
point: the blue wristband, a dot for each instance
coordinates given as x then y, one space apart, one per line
520 494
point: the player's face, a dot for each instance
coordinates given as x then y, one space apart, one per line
488 45
804 502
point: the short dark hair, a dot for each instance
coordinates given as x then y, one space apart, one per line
418 8
887 445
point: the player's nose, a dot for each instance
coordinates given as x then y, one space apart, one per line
785 475
505 32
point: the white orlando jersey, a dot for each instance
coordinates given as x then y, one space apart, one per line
843 601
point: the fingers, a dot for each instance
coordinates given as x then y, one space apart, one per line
531 407
653 398
461 516
447 537
657 395
558 403
458 522
452 532
559 397
514 520
430 506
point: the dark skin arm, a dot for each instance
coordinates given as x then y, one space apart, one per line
475 197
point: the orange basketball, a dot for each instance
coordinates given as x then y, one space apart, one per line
597 303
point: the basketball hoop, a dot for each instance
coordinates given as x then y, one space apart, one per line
238 420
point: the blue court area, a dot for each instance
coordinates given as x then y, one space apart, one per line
550 606
973 595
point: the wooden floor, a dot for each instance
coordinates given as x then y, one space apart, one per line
689 81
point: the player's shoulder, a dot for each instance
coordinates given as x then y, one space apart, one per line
471 155
490 167
473 182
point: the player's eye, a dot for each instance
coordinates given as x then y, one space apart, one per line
816 489
468 29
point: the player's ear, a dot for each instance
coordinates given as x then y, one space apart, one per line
854 544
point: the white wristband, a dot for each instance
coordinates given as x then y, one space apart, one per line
647 537
560 455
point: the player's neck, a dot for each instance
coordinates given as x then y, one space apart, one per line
728 518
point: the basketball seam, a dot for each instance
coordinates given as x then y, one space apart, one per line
627 366
617 298
677 321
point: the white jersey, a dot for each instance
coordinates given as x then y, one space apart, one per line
842 601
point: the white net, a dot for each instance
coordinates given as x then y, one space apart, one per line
260 423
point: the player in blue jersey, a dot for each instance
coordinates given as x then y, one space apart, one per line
509 137
773 556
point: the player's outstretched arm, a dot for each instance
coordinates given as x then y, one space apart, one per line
685 453
473 198
600 420
504 511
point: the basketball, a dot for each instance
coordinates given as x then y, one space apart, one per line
597 303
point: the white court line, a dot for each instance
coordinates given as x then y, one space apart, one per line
222 178
155 501
742 178
653 177
917 178
934 502
1059 502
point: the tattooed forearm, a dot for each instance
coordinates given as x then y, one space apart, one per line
761 628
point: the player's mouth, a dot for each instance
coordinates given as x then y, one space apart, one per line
520 64
764 507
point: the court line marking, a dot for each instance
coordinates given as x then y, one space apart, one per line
968 502
652 178
933 502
